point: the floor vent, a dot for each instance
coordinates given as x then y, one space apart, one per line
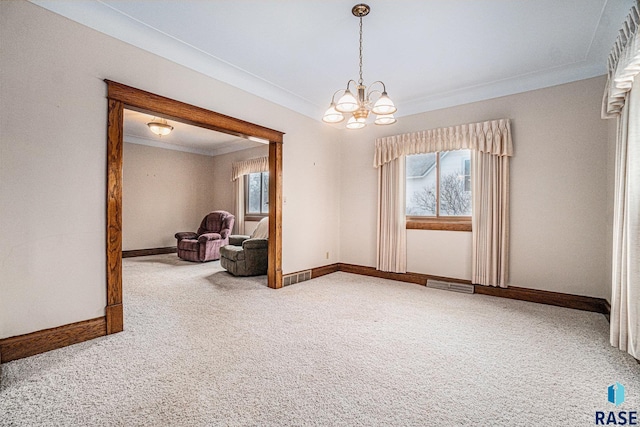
450 286
291 279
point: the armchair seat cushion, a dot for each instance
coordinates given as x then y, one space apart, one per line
232 253
188 245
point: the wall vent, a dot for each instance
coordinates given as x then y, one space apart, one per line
450 286
293 278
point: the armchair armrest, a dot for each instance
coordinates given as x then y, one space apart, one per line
186 235
237 239
255 243
204 238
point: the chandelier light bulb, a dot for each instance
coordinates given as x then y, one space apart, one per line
385 119
332 115
354 123
347 103
384 105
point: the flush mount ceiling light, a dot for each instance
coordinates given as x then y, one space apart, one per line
359 106
160 126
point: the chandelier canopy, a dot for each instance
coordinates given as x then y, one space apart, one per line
359 106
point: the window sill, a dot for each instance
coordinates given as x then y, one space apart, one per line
439 224
254 217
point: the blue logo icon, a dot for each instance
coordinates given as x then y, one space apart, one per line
616 394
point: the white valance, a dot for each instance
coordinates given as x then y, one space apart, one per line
245 167
493 137
623 66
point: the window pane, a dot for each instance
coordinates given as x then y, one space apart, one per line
455 190
421 184
253 196
265 192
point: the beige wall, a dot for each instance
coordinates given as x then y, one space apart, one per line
559 192
164 191
53 179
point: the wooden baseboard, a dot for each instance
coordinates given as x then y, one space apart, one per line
51 339
325 269
579 302
152 251
559 299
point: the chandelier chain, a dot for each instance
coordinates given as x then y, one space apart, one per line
360 81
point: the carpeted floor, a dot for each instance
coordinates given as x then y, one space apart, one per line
204 348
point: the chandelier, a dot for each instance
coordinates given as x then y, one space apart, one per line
359 106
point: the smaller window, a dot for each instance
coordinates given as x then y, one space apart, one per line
256 194
438 190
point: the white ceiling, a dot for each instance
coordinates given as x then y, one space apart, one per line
183 137
431 53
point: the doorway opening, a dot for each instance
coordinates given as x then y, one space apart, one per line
120 97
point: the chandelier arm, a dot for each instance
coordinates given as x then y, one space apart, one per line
349 82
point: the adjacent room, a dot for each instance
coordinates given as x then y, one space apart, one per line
319 213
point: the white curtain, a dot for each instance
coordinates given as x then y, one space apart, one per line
491 146
238 191
490 219
622 101
392 231
238 171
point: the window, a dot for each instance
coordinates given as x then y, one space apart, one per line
438 186
257 194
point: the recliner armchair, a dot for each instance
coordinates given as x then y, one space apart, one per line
247 255
212 234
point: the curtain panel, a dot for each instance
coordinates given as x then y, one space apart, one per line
622 101
392 231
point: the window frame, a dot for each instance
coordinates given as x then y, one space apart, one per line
439 222
253 216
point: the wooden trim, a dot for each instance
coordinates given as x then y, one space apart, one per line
51 339
115 123
274 269
121 96
559 299
439 224
416 278
577 302
145 252
324 270
115 318
151 103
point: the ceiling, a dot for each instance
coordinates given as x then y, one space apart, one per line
430 53
183 137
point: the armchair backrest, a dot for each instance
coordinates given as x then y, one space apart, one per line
220 222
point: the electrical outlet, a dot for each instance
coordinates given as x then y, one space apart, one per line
327 255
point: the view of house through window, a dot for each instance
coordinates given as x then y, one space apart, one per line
257 193
439 184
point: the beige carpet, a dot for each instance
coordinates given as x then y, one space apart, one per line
203 348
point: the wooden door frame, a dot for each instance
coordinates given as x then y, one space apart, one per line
119 97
